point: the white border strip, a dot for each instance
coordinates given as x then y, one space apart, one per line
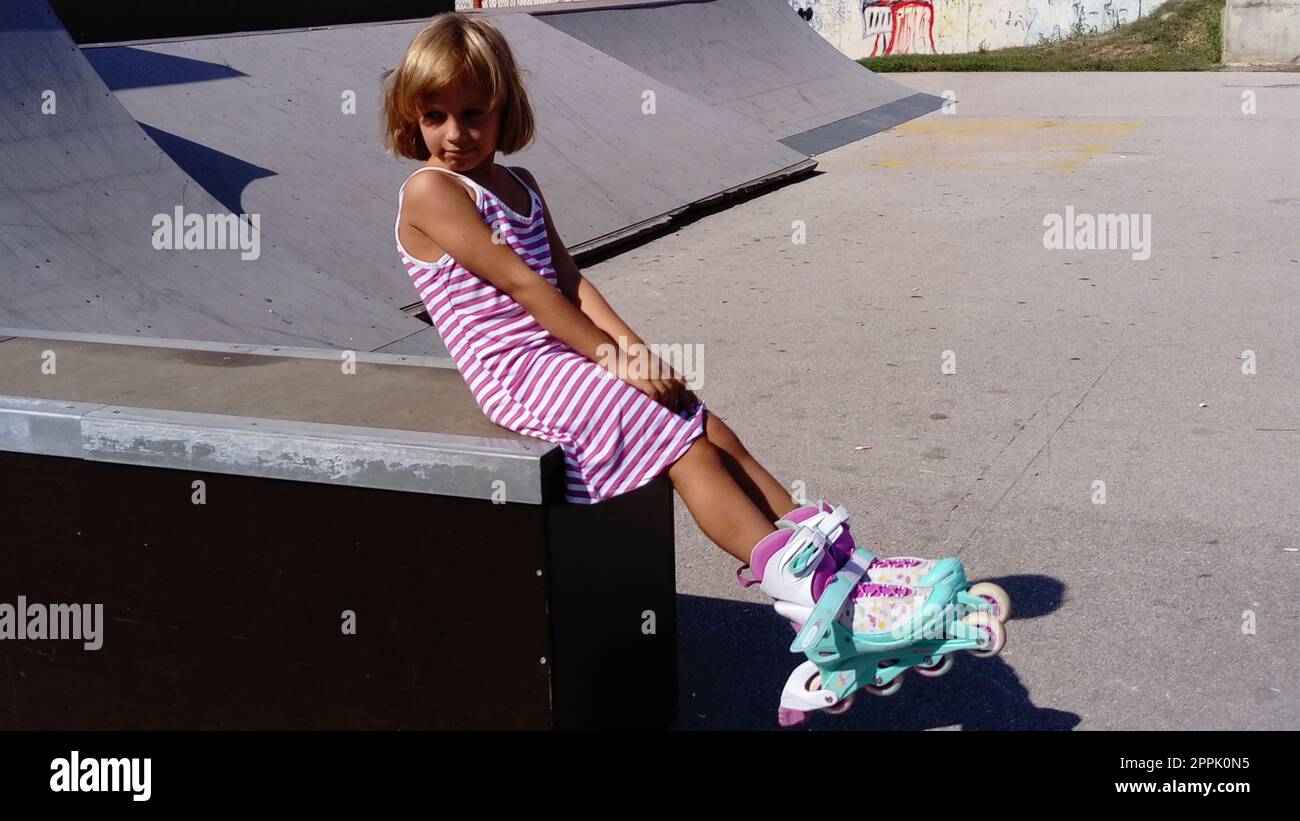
410 461
230 347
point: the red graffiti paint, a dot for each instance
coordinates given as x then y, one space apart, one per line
898 26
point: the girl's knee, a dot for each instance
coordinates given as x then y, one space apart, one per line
701 451
722 436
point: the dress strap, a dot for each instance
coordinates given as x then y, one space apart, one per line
534 200
478 189
479 192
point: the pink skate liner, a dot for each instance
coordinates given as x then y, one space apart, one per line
841 548
871 590
773 543
894 563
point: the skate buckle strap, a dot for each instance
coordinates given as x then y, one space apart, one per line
809 556
832 601
838 516
808 546
828 523
745 582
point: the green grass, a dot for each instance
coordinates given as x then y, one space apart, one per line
1181 35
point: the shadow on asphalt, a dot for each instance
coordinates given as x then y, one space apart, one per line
733 661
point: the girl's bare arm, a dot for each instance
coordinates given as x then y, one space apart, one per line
437 205
583 293
580 290
593 304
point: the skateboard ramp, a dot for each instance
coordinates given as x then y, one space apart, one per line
271 134
755 58
108 140
86 198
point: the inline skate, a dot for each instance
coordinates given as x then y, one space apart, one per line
863 621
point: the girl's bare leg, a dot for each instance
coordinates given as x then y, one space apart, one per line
720 506
761 487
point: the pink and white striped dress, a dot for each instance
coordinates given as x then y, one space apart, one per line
614 438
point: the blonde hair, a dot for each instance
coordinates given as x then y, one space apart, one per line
455 49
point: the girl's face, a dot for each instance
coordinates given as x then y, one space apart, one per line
459 130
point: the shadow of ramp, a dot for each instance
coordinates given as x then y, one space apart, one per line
734 661
127 67
223 176
306 105
86 197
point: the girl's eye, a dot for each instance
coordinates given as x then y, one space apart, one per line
436 116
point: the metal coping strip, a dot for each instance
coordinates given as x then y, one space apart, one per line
229 347
351 455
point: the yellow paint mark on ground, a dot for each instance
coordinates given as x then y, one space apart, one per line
997 145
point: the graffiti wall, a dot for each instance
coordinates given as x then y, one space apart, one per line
870 28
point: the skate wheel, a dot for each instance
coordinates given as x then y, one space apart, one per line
843 706
888 690
815 684
936 669
996 597
994 631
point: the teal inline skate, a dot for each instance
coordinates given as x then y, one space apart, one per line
858 626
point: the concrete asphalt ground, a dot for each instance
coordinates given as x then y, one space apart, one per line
1173 604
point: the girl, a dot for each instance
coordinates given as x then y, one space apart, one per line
533 337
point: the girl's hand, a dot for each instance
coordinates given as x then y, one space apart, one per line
666 387
689 400
679 397
671 393
657 389
682 397
672 386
